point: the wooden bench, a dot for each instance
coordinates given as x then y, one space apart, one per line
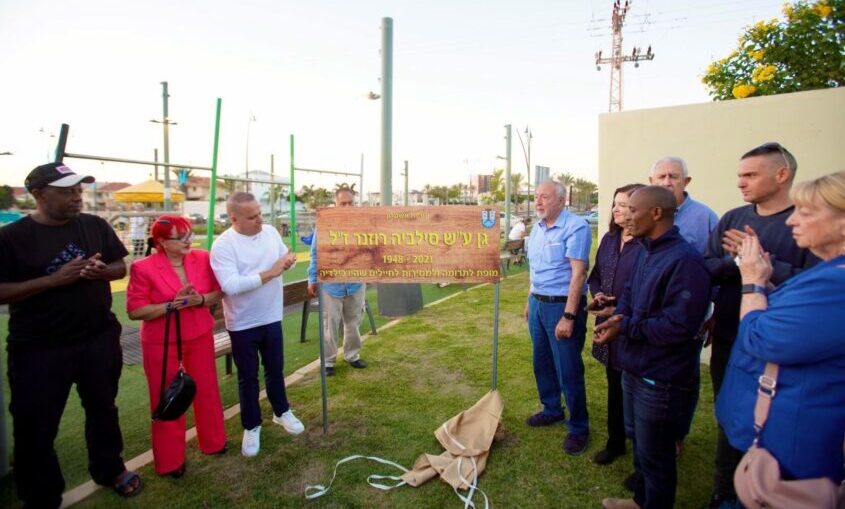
297 292
514 251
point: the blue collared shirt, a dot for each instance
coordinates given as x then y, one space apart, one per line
695 220
549 251
336 290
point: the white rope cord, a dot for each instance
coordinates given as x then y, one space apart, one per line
451 438
313 491
472 486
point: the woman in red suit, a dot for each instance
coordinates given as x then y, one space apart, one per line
180 277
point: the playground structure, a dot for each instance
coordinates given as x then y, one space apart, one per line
151 193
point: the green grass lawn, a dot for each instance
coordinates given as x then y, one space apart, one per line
422 371
133 400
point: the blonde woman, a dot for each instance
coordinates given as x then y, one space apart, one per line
797 327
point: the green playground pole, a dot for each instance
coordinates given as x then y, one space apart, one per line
209 228
292 201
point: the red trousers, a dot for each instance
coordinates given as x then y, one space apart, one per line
169 436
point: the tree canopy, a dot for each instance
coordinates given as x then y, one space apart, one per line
803 51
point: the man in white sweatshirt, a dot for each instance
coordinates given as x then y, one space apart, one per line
247 260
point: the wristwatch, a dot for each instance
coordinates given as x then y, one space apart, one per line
569 316
754 288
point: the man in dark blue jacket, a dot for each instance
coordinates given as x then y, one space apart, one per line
657 319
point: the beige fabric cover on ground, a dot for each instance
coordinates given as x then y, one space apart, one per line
467 438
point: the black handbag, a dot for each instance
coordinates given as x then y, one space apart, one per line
175 400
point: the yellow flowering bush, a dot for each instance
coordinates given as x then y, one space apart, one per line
805 50
763 73
742 90
823 10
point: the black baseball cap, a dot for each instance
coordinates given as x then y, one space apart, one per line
56 175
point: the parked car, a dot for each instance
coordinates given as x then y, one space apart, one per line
196 218
592 217
222 219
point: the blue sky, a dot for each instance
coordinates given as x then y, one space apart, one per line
462 70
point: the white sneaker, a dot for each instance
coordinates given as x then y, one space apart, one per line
289 421
251 442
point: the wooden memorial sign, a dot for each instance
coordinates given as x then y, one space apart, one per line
408 244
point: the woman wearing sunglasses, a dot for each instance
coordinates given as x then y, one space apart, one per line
178 277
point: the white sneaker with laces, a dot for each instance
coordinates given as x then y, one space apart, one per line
251 442
289 421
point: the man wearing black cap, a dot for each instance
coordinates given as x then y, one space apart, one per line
55 268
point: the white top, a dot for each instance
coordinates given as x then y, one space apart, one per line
138 227
237 261
517 231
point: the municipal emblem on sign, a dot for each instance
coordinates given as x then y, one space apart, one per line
488 218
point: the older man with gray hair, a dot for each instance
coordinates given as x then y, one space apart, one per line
559 252
695 219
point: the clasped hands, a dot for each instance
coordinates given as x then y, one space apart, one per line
755 264
186 296
86 268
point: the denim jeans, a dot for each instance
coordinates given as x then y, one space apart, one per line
652 414
557 363
246 345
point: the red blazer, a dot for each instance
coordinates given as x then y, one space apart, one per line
153 280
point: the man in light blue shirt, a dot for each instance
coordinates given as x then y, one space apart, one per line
694 219
343 302
558 252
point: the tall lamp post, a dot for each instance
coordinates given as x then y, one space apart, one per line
527 155
165 124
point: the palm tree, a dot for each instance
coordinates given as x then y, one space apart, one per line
344 185
516 196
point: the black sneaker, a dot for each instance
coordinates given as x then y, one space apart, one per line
606 456
541 419
329 370
632 480
575 445
358 364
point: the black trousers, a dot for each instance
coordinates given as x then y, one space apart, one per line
615 411
40 381
727 458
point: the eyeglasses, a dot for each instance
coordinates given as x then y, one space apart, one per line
185 239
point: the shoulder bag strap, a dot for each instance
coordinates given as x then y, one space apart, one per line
166 341
178 338
766 389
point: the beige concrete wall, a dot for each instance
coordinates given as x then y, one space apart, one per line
711 137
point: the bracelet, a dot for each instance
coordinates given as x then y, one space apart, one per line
203 299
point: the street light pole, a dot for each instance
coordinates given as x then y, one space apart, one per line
166 123
164 95
527 155
386 111
508 179
405 174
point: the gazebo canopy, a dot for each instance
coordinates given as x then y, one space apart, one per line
149 191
